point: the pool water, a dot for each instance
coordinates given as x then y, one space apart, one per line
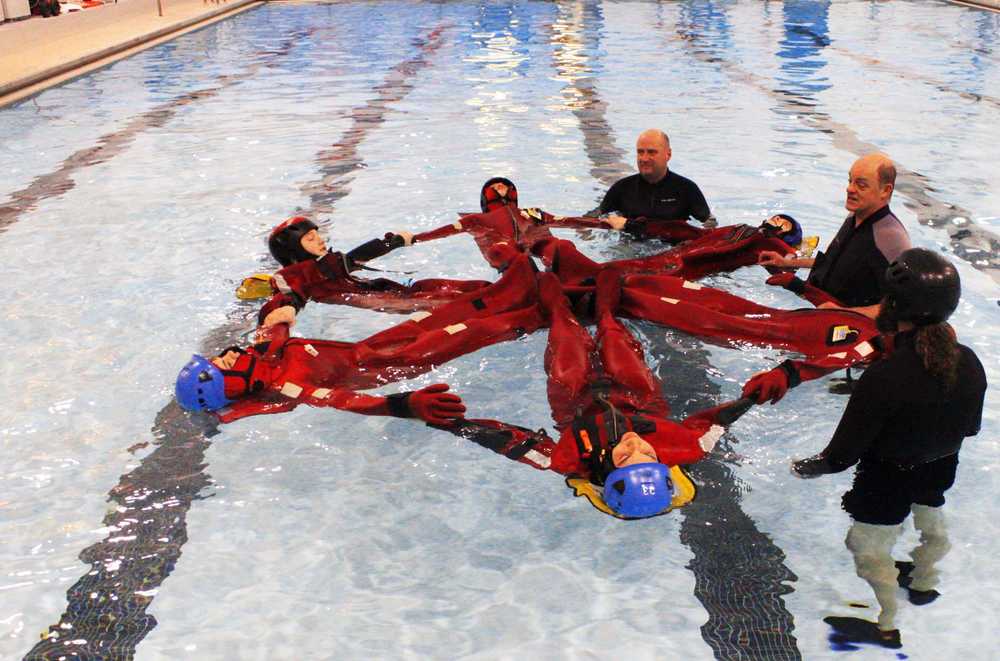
133 200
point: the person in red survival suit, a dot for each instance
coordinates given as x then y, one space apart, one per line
829 339
503 229
613 426
280 372
312 272
718 250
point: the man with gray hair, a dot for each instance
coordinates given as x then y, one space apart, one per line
656 200
852 269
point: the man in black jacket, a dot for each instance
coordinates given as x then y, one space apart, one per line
656 198
852 269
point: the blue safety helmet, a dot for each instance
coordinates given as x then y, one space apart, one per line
201 386
792 237
639 490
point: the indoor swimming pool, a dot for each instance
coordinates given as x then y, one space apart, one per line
135 199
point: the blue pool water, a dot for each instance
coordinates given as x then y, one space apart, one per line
133 200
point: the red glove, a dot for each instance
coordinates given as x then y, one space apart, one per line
789 281
435 405
782 279
771 385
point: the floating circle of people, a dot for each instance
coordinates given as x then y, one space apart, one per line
877 302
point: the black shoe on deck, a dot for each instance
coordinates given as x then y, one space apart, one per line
849 631
916 597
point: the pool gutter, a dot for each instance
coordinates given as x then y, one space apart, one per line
75 44
993 5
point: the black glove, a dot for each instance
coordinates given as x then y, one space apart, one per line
813 467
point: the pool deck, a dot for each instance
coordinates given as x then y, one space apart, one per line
37 53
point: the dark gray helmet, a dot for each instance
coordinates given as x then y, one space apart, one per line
921 287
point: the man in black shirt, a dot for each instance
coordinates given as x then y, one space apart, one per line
655 196
852 268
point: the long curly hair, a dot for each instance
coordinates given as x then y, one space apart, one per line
937 346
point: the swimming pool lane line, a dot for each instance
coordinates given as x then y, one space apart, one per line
969 241
106 614
109 145
752 622
823 43
571 41
341 161
985 5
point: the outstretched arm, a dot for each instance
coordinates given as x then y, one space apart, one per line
773 384
433 404
669 230
804 290
533 448
375 248
442 232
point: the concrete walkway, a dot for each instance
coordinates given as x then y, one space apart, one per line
37 53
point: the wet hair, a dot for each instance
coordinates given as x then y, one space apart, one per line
937 346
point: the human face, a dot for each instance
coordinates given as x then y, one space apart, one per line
780 224
226 360
633 449
864 194
652 153
501 189
313 243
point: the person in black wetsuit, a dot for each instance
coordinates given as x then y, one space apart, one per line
903 427
655 197
852 269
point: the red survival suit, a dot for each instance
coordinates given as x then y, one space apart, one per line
285 372
593 410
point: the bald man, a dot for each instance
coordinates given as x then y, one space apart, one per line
655 197
852 269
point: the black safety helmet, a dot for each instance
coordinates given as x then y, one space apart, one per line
285 242
921 287
489 198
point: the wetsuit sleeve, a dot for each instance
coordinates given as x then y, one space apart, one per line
891 240
978 376
280 300
870 406
612 199
372 250
698 206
